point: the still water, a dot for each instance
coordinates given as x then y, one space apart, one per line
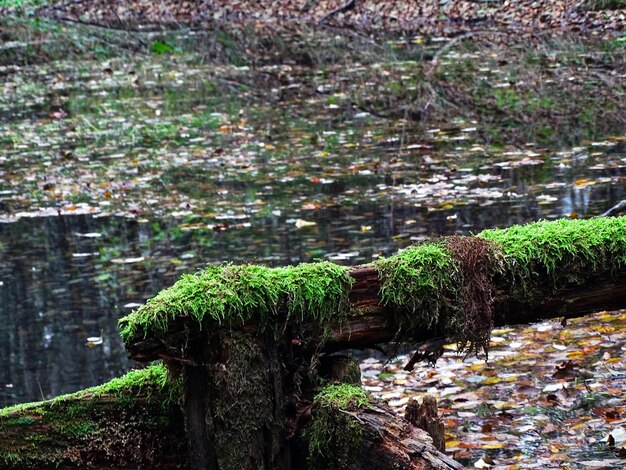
64 279
118 175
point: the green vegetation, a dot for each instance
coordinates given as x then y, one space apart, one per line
335 437
448 285
445 286
555 254
73 429
420 282
141 382
344 396
232 295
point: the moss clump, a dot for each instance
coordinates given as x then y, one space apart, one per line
420 282
232 295
146 382
478 260
343 396
335 436
449 285
88 428
445 286
552 255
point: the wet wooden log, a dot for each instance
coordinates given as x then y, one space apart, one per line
124 426
136 422
372 323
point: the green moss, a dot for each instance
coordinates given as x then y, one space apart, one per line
335 435
420 282
448 285
343 396
23 421
10 457
232 295
556 254
248 411
80 429
75 428
145 382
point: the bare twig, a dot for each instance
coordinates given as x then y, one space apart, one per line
620 206
434 62
342 9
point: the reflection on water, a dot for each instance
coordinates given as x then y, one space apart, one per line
117 176
64 279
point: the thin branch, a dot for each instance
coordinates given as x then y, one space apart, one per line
620 206
434 62
342 9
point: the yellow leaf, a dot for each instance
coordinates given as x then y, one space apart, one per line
492 380
304 223
575 355
494 445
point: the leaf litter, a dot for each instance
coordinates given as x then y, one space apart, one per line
172 136
549 396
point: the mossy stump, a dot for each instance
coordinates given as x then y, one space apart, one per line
235 404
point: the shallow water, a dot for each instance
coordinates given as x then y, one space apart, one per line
118 175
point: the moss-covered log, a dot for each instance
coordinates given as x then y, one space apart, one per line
247 339
130 422
249 347
135 422
349 430
457 287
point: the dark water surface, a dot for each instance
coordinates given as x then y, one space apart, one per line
64 279
117 176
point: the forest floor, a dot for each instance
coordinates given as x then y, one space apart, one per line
548 397
430 17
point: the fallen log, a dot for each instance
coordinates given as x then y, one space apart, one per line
247 340
252 347
135 422
131 422
456 287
